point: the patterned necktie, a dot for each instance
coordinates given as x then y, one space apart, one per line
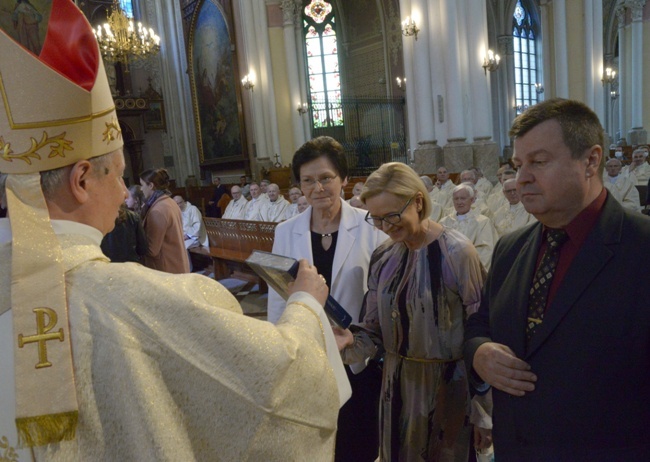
542 280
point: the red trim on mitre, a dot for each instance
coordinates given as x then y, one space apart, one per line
70 46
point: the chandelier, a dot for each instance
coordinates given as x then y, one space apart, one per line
120 40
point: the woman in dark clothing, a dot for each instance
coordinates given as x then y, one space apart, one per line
127 241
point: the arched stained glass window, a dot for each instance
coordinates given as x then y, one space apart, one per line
127 7
321 49
525 57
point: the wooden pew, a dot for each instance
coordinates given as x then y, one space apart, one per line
232 241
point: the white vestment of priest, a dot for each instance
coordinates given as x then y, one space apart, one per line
623 188
236 209
167 367
511 217
478 229
274 210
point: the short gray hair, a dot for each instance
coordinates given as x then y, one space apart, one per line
427 181
464 187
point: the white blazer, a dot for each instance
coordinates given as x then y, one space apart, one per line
355 244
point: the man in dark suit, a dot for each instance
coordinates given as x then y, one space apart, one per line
569 383
213 209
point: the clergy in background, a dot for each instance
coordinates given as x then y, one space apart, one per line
513 215
476 227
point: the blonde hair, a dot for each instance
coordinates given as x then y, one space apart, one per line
400 180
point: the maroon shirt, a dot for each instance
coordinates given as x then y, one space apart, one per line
578 230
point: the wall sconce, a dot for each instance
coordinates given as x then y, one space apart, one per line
401 83
409 28
609 76
539 88
614 94
248 81
302 108
490 62
520 108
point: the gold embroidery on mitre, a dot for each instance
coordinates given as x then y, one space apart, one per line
42 335
58 145
9 453
47 123
113 131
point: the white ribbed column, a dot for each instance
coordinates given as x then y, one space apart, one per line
598 56
251 63
291 50
409 72
560 48
454 105
622 73
477 45
590 64
636 90
266 82
180 139
422 96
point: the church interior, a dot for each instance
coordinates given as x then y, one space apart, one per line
234 87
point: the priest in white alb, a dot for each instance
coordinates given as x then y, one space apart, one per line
476 227
513 215
237 206
274 208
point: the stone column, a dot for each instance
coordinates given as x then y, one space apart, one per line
560 48
290 49
593 23
622 73
507 70
637 135
457 153
179 141
420 92
485 153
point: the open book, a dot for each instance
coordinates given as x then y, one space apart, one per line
278 271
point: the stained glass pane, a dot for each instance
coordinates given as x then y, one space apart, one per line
323 65
315 65
524 45
329 45
127 7
331 63
517 57
520 13
318 10
317 84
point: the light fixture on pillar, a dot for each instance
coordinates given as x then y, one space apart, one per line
248 82
539 88
609 76
302 108
401 83
490 61
409 28
122 41
614 94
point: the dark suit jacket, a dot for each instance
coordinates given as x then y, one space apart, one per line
591 354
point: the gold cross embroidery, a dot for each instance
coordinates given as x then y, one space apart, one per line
42 335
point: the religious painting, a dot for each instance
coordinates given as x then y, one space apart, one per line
26 21
214 86
154 118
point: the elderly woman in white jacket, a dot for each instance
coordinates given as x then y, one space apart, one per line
334 237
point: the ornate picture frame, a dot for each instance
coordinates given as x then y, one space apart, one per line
216 97
154 118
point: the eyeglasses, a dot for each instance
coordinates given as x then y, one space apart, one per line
311 182
391 218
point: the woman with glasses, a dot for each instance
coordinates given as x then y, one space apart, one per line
332 235
424 282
